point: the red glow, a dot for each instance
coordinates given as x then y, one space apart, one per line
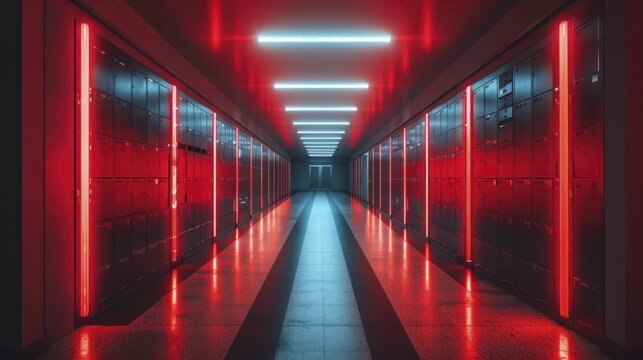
214 174
426 175
468 111
390 202
404 173
563 201
174 174
236 175
84 170
216 24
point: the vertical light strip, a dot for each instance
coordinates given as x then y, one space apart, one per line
564 194
84 170
426 175
236 176
372 199
261 185
173 166
214 174
390 176
468 111
251 171
404 172
380 175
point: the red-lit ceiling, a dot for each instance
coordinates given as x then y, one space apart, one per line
220 38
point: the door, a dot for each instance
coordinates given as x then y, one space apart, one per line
314 177
320 177
325 178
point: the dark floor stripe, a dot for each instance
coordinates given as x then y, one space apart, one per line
259 335
386 336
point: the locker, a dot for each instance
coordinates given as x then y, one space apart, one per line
152 194
164 252
478 102
165 223
104 283
507 268
506 233
102 156
139 160
153 130
505 197
123 237
505 101
523 238
522 120
491 195
139 125
522 81
139 193
523 276
164 159
491 129
122 273
123 200
450 119
587 104
505 160
478 194
164 132
477 163
122 119
543 247
139 89
123 160
153 162
139 229
522 198
543 200
459 165
478 253
491 262
491 97
587 49
490 228
523 158
103 78
104 243
543 113
122 80
478 132
543 157
459 206
543 282
153 100
153 233
103 115
101 200
491 161
505 81
588 243
505 130
588 306
543 62
138 265
587 152
165 95
506 113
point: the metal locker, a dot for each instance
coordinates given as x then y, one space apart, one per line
165 95
505 197
450 120
164 252
522 198
478 132
523 238
491 195
459 165
122 119
477 196
139 193
491 129
138 265
459 205
164 132
152 103
543 114
477 163
490 235
478 253
102 156
588 306
103 114
543 200
543 62
122 80
543 157
164 159
543 247
104 248
491 261
153 129
491 161
122 273
153 231
543 281
523 276
505 131
587 102
506 233
587 50
123 197
507 268
139 160
139 232
103 77
522 120
123 159
478 102
506 113
505 102
139 89
101 199
152 195
587 151
123 237
188 119
139 124
104 283
491 96
505 82
506 160
522 81
588 242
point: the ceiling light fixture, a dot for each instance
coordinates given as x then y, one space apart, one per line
321 108
324 39
322 86
320 131
320 138
322 123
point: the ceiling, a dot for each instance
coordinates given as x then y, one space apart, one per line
220 38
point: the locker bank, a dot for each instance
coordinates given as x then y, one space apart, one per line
322 179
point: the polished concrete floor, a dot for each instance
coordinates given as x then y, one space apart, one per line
323 277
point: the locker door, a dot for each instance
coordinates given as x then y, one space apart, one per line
588 230
491 96
123 80
543 114
139 89
543 157
522 81
103 70
103 114
491 129
543 62
122 119
506 160
588 151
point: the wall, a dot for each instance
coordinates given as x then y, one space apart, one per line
301 173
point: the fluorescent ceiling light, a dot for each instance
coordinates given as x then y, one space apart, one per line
324 39
321 108
321 142
321 147
322 123
320 131
321 86
321 138
320 155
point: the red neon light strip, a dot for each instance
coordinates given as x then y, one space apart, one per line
236 175
84 170
380 175
261 166
214 175
468 111
251 170
563 201
404 187
174 187
426 175
390 174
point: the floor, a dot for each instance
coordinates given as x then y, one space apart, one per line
322 277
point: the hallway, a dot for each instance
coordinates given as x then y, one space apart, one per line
319 277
